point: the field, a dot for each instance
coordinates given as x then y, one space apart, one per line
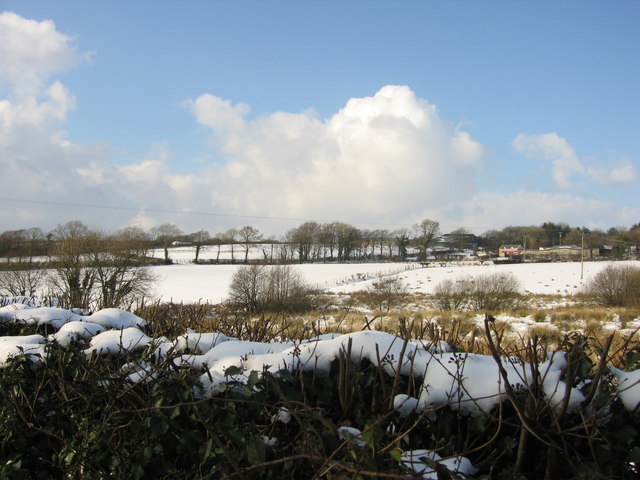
551 289
187 282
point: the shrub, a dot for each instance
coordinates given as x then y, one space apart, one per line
495 291
386 294
616 286
490 292
81 417
24 279
260 288
450 295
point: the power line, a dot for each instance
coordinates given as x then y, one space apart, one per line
178 212
221 215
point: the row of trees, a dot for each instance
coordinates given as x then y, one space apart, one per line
313 241
551 234
85 268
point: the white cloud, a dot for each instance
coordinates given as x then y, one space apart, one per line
386 158
566 165
382 158
622 173
218 113
32 51
46 111
555 149
487 211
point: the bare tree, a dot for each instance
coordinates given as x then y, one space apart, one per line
347 239
136 240
24 279
261 288
401 237
616 285
426 231
247 287
70 278
380 236
91 269
248 236
231 237
367 243
390 243
120 278
165 235
305 239
386 294
199 238
218 241
328 238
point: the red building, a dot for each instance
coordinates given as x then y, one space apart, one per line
510 250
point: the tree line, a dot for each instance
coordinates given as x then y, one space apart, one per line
84 268
315 242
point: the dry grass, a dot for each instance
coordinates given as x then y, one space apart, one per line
418 320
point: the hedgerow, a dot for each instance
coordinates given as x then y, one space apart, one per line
80 416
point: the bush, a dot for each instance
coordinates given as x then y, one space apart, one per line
450 295
24 279
260 288
616 286
81 417
489 292
386 294
495 291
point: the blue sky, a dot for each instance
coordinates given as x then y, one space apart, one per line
477 114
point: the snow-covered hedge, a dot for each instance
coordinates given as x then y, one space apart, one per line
371 389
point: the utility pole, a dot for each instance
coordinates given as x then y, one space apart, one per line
582 234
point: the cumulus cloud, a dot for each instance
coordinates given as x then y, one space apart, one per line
555 149
32 51
386 158
380 158
38 163
218 113
620 173
389 157
487 210
568 167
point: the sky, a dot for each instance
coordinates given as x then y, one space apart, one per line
218 114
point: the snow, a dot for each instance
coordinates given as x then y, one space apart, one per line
76 330
114 342
539 278
210 283
231 354
405 405
199 342
56 317
470 383
419 461
115 318
628 387
8 312
30 345
352 435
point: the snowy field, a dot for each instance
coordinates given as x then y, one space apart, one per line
192 283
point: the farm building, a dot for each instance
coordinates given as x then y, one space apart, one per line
510 250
